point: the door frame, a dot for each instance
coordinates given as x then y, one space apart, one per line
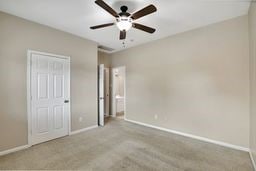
29 98
107 98
113 99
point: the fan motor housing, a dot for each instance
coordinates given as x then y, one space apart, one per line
124 11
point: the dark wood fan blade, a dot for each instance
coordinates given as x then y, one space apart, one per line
143 12
144 28
122 35
102 25
106 7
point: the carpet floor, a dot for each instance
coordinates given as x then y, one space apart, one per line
125 146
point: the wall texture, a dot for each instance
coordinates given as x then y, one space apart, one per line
252 36
196 82
16 37
104 58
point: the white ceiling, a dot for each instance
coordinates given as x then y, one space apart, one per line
172 17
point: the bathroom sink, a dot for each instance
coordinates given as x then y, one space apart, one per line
119 97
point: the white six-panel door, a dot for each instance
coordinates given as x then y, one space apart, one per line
49 98
101 95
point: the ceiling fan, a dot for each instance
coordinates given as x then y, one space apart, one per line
125 20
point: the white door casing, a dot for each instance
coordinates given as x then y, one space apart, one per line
50 97
113 90
101 95
106 91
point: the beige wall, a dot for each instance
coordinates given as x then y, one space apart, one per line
104 58
16 37
197 82
252 36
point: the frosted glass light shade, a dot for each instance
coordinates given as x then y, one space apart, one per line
124 23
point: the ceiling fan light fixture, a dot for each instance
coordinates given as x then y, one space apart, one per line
124 20
124 23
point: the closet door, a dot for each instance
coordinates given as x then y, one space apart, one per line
49 98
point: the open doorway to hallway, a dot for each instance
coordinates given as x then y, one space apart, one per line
111 99
118 92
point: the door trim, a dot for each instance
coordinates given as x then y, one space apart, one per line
29 55
107 98
113 97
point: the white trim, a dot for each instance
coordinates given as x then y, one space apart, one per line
192 136
112 101
252 159
14 150
48 54
105 51
29 94
29 55
83 130
69 95
124 91
107 98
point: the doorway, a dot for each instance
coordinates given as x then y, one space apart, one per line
118 94
103 94
48 96
111 81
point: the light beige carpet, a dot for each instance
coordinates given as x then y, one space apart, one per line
124 146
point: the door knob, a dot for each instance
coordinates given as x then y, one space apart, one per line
66 101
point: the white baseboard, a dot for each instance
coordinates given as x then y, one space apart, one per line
27 146
252 159
14 150
83 130
191 136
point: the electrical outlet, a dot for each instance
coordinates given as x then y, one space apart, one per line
156 116
80 119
